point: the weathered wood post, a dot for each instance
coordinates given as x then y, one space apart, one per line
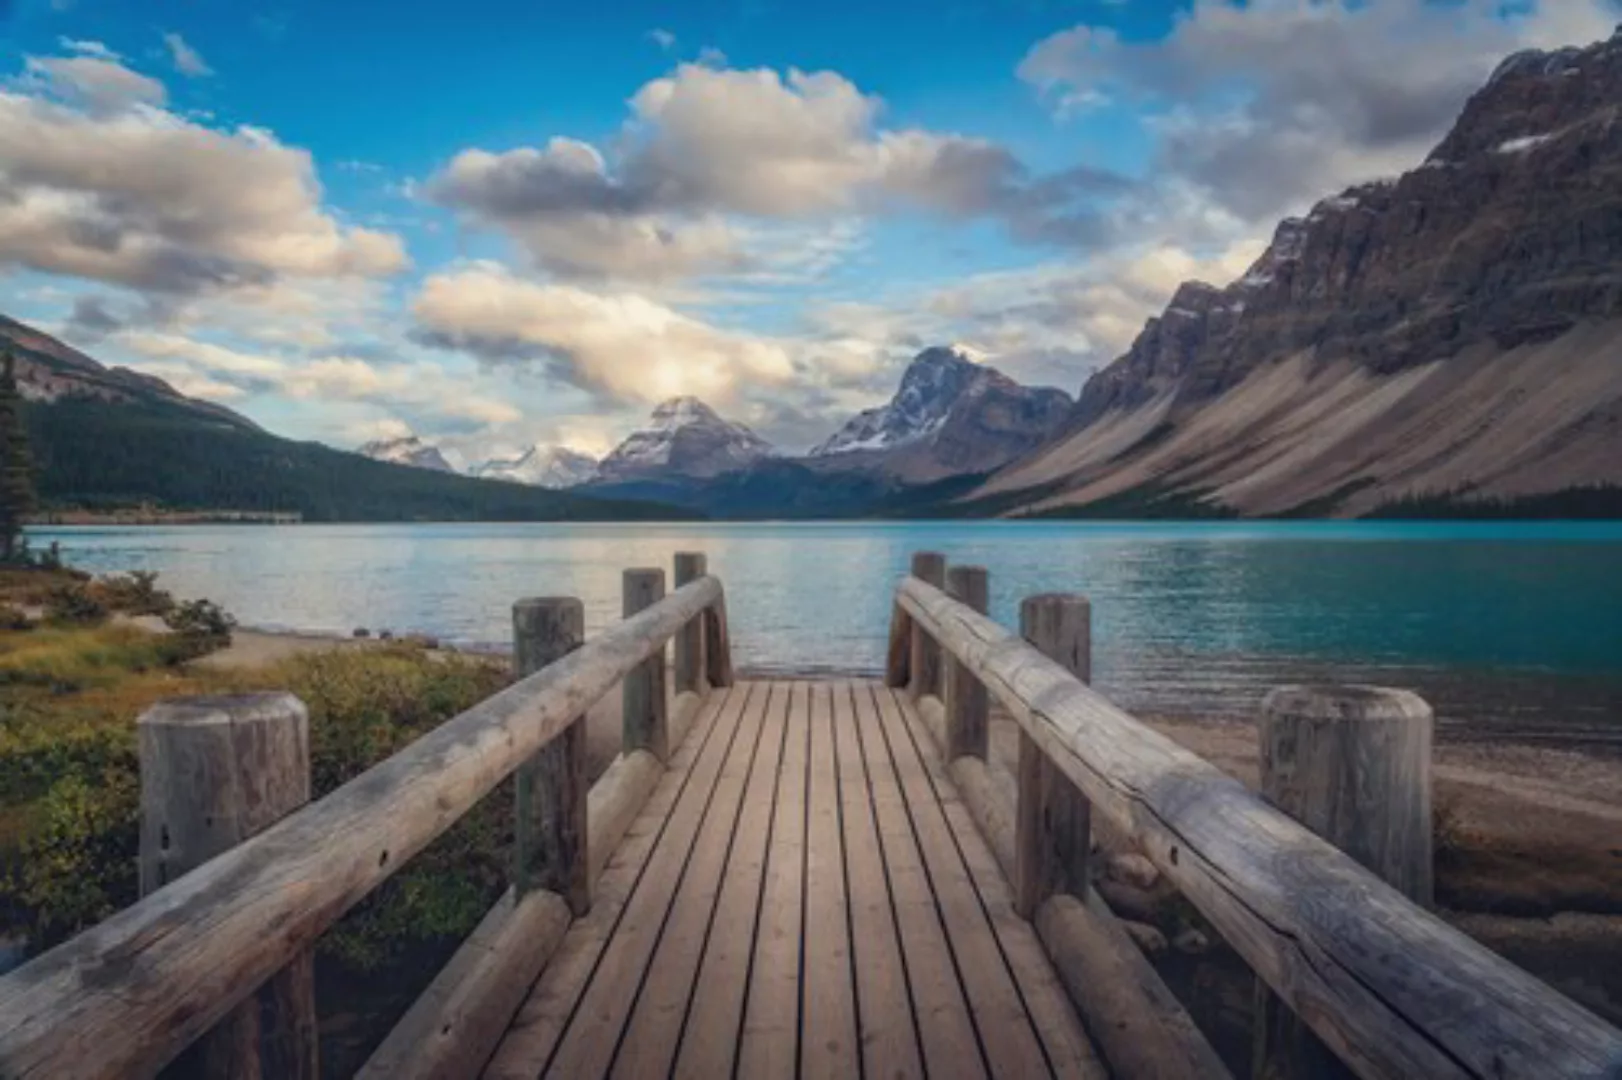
925 662
646 722
691 669
1053 821
967 707
549 837
215 771
1353 764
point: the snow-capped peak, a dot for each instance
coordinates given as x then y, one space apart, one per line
407 450
931 385
541 466
684 436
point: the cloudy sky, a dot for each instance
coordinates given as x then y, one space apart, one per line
498 222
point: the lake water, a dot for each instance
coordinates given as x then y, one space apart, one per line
1505 627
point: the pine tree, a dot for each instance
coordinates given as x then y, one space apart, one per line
16 464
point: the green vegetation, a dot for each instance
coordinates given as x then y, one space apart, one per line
16 465
1601 502
99 456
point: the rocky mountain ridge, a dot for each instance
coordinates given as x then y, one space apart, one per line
684 437
1386 346
544 466
407 450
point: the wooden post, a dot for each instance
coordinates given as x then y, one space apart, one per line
215 771
691 669
967 706
1053 821
549 835
718 643
925 662
646 726
898 657
1351 763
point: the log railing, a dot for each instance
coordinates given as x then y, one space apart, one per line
130 994
1389 988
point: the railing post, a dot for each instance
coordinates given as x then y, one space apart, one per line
646 722
215 771
1053 820
966 703
549 848
718 643
925 662
691 668
1351 763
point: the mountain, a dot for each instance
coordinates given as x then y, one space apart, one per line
49 370
1450 338
950 416
407 450
684 438
542 466
105 438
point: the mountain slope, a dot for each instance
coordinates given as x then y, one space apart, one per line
683 438
950 416
554 467
1453 333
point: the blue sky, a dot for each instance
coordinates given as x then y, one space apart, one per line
502 222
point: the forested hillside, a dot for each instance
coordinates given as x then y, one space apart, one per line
97 455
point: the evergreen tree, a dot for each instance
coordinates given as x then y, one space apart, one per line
16 464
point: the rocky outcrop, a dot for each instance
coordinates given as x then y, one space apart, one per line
950 416
683 438
1505 242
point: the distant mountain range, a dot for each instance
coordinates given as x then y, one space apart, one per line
543 466
407 450
1446 342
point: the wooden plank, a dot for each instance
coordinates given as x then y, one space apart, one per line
588 1045
967 712
946 1033
644 698
657 1016
718 641
898 655
924 658
889 1036
540 1023
1005 1028
191 951
1068 1050
1394 991
769 1048
828 1047
709 1040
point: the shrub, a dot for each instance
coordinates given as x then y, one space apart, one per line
14 619
202 618
73 605
135 593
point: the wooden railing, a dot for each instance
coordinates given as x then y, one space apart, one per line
188 960
1387 986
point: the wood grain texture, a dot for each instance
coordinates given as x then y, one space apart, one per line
645 696
549 828
898 654
127 995
1394 991
692 673
216 771
924 661
828 1046
718 643
967 709
622 791
1353 764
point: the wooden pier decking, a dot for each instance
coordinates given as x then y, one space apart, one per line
814 879
803 889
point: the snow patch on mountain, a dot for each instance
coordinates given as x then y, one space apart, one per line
685 437
933 383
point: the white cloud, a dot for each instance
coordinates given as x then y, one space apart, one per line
186 60
622 345
105 185
662 38
87 48
97 83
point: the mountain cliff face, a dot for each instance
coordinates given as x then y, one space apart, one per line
407 450
684 438
1456 331
49 370
553 467
949 416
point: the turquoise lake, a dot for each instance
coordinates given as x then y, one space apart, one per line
1504 626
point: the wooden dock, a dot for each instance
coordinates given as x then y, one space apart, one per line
800 878
803 894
